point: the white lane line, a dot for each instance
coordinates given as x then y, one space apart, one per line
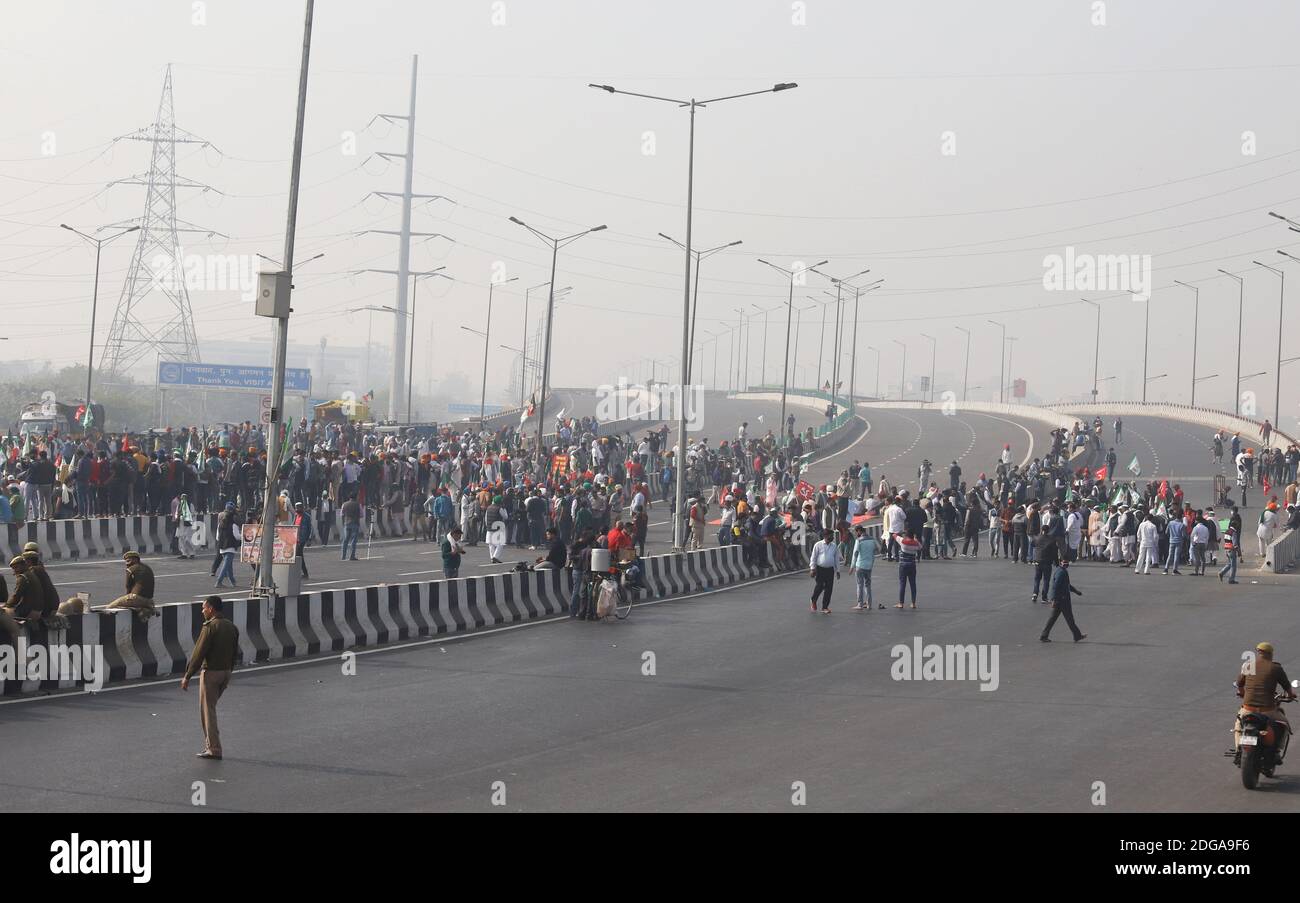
412 573
117 560
326 582
861 439
1155 469
970 447
1030 453
442 640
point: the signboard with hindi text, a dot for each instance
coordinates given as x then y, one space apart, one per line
227 376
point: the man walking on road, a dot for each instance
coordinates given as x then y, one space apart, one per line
1148 535
214 658
350 511
1061 604
823 566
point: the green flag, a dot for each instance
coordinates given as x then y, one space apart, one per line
1135 467
1119 496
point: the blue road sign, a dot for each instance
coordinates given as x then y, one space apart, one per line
223 376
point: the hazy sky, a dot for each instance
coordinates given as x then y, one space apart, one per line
1122 138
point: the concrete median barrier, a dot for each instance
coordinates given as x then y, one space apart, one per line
334 621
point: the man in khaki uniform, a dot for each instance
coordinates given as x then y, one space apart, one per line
27 600
214 653
139 587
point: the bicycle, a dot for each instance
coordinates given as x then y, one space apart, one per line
623 598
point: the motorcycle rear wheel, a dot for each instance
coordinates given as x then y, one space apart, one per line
1250 767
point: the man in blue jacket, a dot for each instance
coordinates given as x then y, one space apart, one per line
1060 592
1176 531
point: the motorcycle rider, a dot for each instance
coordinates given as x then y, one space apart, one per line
1260 676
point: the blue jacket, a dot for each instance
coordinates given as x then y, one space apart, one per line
1177 530
864 554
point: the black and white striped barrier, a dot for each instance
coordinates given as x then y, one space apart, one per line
337 620
108 537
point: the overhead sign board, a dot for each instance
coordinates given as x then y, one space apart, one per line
456 407
223 376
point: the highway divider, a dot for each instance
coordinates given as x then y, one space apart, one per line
334 621
148 534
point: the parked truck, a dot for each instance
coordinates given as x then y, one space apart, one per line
47 417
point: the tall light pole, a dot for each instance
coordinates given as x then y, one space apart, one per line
487 332
839 297
798 322
764 311
1281 301
853 358
1011 355
556 244
279 310
877 350
695 302
1002 360
402 312
742 383
692 104
1241 297
94 307
965 377
1196 329
1146 343
902 377
934 347
523 387
791 274
1096 348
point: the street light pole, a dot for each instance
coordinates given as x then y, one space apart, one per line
1281 300
692 104
934 347
1096 348
789 316
1002 360
1196 328
965 377
1241 293
556 244
695 303
902 376
94 305
877 350
482 398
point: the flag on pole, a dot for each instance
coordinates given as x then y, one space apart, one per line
1267 486
27 445
1135 467
1119 495
1101 472
1164 489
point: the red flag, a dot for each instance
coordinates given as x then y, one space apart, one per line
1264 482
804 490
1101 473
1164 489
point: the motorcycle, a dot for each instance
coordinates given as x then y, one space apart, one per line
1263 744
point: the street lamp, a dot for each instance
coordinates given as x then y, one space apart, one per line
1011 356
1096 351
742 383
764 311
839 286
1241 291
1002 379
934 347
94 306
965 377
877 350
789 315
556 244
410 370
482 398
1295 227
692 104
1146 343
1282 299
1196 328
695 302
798 322
853 360
902 377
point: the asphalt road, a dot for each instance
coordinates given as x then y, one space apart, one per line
751 694
895 444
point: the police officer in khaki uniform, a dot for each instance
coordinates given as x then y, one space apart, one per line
214 653
50 595
139 587
27 600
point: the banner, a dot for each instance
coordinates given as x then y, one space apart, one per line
559 465
283 550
